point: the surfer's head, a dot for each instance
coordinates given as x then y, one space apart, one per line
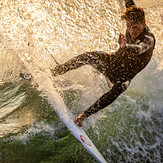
135 20
135 14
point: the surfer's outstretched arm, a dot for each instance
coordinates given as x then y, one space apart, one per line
103 102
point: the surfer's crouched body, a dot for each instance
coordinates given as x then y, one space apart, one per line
135 52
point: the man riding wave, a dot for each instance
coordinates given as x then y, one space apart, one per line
135 52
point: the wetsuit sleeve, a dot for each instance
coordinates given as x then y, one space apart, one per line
143 46
107 98
129 3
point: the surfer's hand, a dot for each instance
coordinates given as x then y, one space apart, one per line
122 40
79 120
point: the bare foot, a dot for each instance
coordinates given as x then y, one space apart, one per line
79 120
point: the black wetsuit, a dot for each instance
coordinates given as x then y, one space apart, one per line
119 67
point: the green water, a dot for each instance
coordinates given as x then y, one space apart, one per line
119 132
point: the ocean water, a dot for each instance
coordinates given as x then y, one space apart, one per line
129 130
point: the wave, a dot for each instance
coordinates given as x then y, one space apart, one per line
129 130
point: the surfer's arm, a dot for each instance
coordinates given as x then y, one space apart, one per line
143 46
129 3
104 101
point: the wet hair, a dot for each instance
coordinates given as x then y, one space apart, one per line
134 13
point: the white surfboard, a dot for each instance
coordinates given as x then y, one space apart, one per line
67 118
46 86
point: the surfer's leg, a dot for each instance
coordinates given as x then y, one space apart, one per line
90 58
72 64
107 98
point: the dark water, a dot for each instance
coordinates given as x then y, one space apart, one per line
129 130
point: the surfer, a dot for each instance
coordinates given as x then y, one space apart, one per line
134 53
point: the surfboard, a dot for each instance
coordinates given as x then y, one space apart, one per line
67 118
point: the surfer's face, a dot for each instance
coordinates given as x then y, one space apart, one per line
135 28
